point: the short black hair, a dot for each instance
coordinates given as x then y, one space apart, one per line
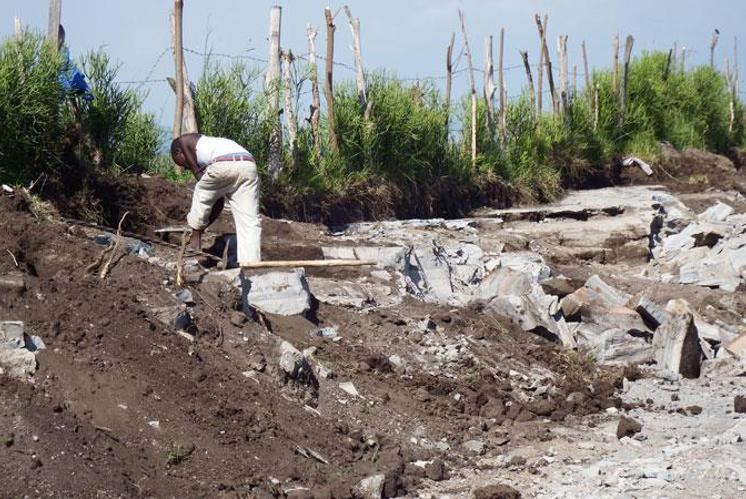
175 146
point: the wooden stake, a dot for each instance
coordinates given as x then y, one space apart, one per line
595 108
625 77
731 96
489 84
667 71
540 76
178 67
17 25
329 81
315 97
683 59
531 91
547 61
359 74
53 27
449 81
585 68
713 44
473 92
615 66
272 88
287 84
189 122
501 80
307 263
563 73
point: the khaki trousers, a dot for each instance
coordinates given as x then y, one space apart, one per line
238 183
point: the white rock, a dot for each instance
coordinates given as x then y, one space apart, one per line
281 293
676 342
716 213
371 487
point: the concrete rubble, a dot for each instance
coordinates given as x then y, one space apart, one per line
18 350
280 293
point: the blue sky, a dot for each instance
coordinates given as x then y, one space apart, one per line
405 37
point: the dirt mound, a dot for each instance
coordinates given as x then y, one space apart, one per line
124 405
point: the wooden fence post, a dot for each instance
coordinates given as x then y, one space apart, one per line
667 71
287 84
473 92
540 75
55 18
563 73
359 74
615 66
178 66
189 122
315 97
449 81
547 61
272 89
531 91
503 99
713 44
585 68
489 84
329 81
625 77
683 59
17 26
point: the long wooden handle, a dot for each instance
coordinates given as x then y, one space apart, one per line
307 263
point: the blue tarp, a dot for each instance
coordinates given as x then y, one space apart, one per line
72 80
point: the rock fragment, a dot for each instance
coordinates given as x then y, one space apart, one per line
676 342
371 487
739 404
627 427
498 491
280 293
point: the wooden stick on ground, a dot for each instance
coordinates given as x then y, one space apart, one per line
306 263
105 269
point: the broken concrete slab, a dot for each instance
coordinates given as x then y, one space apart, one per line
343 293
505 281
279 293
606 292
676 341
651 313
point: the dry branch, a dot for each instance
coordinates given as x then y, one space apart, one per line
531 91
107 266
473 92
329 81
314 119
272 88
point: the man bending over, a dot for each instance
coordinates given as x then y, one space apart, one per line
225 171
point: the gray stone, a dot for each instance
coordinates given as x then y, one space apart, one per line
716 213
295 364
614 346
606 292
184 296
325 332
349 294
505 281
476 447
532 313
650 312
676 342
559 286
12 334
280 293
371 487
17 362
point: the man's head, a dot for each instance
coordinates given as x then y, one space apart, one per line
177 152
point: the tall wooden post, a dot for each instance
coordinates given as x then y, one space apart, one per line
189 122
272 89
449 81
713 44
501 83
314 119
55 18
17 26
667 71
359 74
547 60
736 85
289 112
585 67
178 66
489 84
674 56
473 92
625 78
329 81
540 75
683 60
563 73
531 91
615 66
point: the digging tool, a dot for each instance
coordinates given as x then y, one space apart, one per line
306 263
